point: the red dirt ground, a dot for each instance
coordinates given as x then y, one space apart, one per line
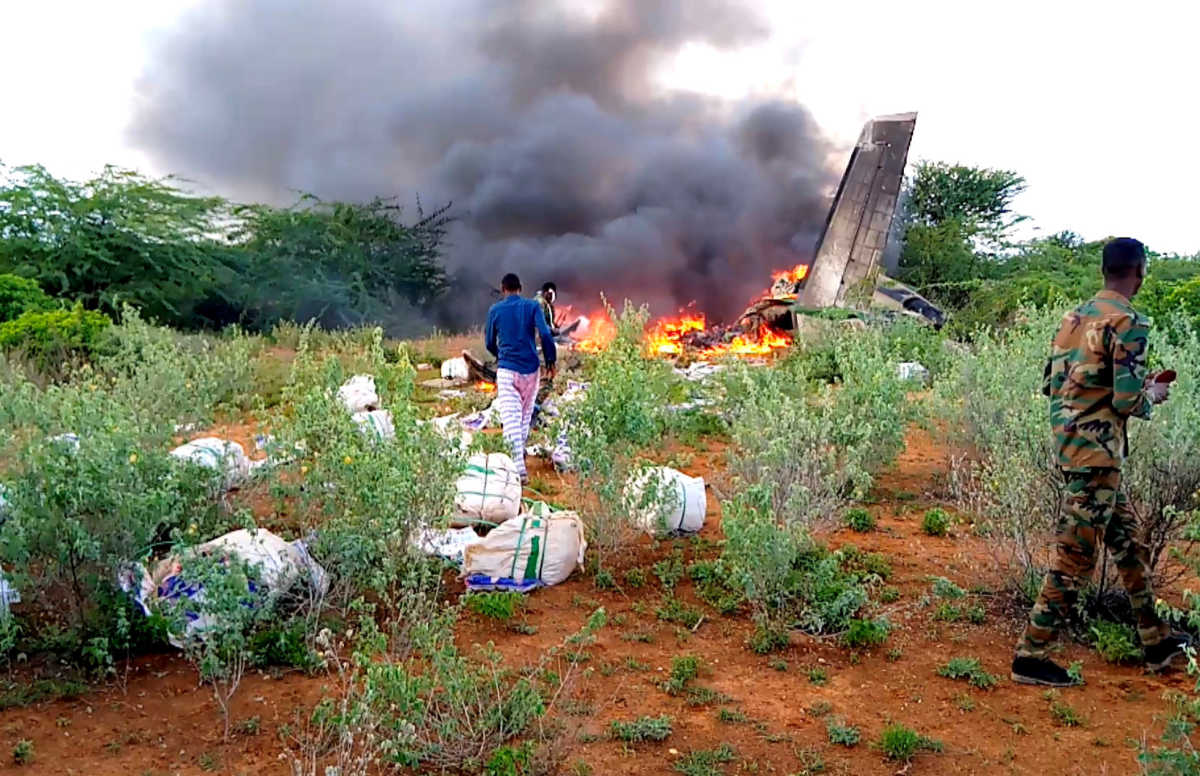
161 722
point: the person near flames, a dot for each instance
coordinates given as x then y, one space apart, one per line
1096 381
545 299
512 325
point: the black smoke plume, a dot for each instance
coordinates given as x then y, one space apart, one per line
542 124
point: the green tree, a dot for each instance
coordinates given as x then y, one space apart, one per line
340 263
119 237
978 198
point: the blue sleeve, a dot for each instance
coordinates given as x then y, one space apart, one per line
489 334
549 352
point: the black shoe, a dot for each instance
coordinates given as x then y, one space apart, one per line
1160 655
1032 670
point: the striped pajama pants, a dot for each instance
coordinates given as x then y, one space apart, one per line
515 395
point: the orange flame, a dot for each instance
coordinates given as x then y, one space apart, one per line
485 387
664 336
793 275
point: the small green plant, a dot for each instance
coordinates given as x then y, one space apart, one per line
841 733
936 522
676 611
207 761
642 729
866 633
818 675
1065 714
971 669
670 570
499 605
898 742
894 654
1116 643
944 588
604 580
731 716
779 664
820 708
633 664
1075 671
889 595
765 640
705 696
639 636
859 519
705 762
23 752
965 702
635 578
249 726
509 760
683 670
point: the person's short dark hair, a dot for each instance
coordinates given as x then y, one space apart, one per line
1123 256
510 282
549 286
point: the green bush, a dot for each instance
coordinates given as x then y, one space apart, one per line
1116 642
499 605
21 295
842 734
53 335
944 588
683 671
936 522
866 633
898 742
642 729
705 762
859 519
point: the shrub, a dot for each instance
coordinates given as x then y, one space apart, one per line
866 633
944 588
683 671
705 762
500 605
21 295
642 729
53 335
1116 642
898 742
859 519
1065 714
936 522
22 753
971 669
841 733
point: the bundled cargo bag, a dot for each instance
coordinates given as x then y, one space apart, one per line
526 552
358 394
455 370
280 566
219 455
667 501
376 422
490 489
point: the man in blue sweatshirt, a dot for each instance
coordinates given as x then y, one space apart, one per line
509 336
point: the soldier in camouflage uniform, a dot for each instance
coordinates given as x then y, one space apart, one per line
1096 380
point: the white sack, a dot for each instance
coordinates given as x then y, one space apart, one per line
377 422
490 488
358 394
912 370
219 455
455 369
529 548
665 500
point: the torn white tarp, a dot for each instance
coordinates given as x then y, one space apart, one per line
448 543
358 394
219 455
280 566
912 370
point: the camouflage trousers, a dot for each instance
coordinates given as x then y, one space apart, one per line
1096 509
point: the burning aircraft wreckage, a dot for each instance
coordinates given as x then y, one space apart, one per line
845 272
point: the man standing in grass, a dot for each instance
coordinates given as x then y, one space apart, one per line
509 336
1096 380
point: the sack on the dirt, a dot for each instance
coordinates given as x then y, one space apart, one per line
358 394
525 552
667 501
280 565
489 489
220 455
455 369
912 370
376 422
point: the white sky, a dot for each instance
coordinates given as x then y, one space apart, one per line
1086 99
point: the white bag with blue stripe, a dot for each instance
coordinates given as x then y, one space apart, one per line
665 501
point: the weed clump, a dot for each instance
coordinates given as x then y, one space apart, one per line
842 734
860 520
1116 643
898 742
970 669
936 522
642 729
866 633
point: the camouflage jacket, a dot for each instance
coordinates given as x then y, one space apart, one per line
1095 378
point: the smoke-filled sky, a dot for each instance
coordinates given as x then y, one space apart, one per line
669 149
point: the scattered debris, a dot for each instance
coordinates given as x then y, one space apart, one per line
448 543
